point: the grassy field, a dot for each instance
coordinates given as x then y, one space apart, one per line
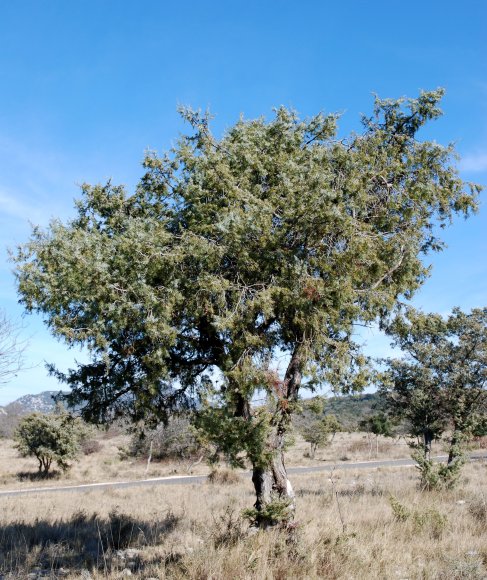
356 524
109 464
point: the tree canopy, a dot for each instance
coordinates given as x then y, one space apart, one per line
441 382
49 438
276 238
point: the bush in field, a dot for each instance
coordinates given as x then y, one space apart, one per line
50 438
174 440
378 424
90 446
316 429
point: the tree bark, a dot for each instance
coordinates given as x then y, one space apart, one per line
312 452
427 441
453 451
270 481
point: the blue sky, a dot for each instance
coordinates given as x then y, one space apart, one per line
86 86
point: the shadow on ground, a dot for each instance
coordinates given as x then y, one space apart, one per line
80 542
38 475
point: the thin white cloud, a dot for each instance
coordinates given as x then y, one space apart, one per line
476 162
12 206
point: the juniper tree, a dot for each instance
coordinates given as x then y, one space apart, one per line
440 384
49 438
378 424
276 238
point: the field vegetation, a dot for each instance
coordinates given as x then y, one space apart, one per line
350 524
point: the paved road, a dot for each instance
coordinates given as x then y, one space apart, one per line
188 479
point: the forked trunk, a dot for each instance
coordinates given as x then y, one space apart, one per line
274 493
312 452
275 500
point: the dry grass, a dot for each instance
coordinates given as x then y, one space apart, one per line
108 463
196 531
352 447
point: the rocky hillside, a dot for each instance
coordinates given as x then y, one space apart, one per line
41 403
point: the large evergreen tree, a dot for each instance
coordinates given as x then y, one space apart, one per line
275 239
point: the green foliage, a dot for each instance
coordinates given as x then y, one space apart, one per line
276 238
350 410
273 513
480 428
434 475
50 438
440 385
173 440
316 406
234 438
430 519
379 424
314 427
400 511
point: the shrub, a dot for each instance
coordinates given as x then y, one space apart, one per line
478 509
49 438
400 511
436 476
430 519
90 446
223 477
175 440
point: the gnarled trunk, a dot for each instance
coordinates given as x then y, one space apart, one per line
274 493
275 500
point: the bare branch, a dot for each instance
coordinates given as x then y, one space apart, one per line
11 349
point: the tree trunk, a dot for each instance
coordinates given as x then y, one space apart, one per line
427 441
453 452
275 500
272 487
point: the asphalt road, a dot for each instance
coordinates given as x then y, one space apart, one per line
192 479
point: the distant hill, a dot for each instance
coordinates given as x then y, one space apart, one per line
11 414
351 409
41 403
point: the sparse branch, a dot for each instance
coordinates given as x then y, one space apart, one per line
11 349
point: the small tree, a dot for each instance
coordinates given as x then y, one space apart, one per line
333 425
318 433
314 427
440 385
49 438
379 424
